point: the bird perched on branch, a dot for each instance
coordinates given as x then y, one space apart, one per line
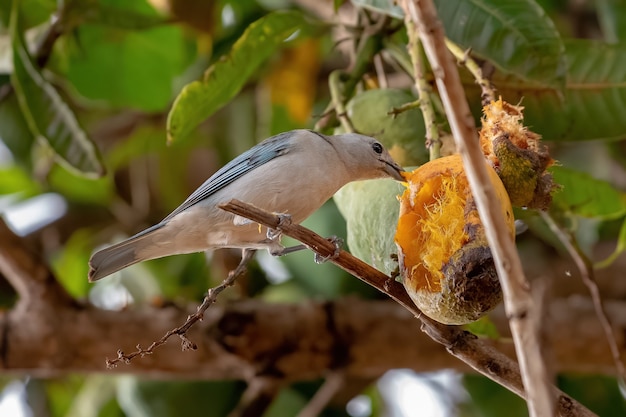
293 173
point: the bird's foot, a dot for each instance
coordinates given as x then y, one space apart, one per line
283 220
338 243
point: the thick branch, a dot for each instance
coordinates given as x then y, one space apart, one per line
300 341
30 278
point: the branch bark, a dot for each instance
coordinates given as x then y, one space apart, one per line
52 336
298 342
518 301
478 355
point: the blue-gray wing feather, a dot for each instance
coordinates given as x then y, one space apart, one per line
253 158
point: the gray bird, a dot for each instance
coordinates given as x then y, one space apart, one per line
293 173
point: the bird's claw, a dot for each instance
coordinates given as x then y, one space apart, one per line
283 220
338 243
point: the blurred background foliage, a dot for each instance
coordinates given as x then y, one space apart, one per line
113 111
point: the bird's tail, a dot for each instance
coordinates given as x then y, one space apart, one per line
123 254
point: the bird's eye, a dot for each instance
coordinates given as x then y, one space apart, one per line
378 148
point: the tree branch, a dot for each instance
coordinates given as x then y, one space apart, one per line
31 279
462 344
518 300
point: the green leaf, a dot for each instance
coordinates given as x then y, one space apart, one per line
139 67
619 249
514 35
131 15
72 265
224 79
48 116
14 130
583 195
81 190
32 12
14 180
612 19
483 327
594 97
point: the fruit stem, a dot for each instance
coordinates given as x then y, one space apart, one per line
488 92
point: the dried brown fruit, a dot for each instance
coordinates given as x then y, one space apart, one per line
517 155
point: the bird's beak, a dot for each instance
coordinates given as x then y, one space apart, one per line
394 170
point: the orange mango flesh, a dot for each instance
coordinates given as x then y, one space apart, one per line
435 211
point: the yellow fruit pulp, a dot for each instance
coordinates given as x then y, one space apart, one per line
437 214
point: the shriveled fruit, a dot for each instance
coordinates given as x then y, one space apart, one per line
445 261
517 155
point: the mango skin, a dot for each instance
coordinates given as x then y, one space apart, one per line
370 209
403 134
445 262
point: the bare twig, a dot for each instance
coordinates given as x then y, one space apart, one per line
465 346
516 291
333 383
337 97
433 141
585 267
181 331
488 93
257 397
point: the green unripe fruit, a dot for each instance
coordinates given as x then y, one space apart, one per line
402 134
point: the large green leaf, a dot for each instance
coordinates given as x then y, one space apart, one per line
48 116
32 12
14 130
592 103
612 19
223 80
136 68
515 35
122 14
586 196
13 180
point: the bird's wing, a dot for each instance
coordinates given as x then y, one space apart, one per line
253 158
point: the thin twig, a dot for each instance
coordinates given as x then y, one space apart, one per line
585 267
462 344
518 299
181 331
258 396
333 383
488 93
338 100
433 141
